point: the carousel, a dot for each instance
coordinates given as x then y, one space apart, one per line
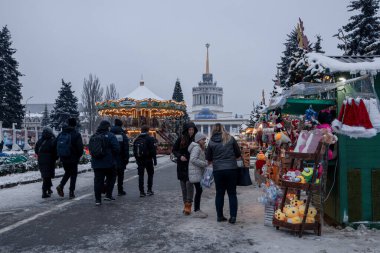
143 107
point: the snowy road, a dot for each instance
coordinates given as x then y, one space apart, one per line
153 224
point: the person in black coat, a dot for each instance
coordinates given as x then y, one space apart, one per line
105 167
146 161
123 157
47 155
70 163
180 150
223 152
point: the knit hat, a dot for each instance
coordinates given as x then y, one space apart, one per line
199 136
104 125
72 122
118 122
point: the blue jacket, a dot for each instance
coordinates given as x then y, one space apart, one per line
123 156
109 161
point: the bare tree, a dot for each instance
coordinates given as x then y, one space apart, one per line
111 93
92 93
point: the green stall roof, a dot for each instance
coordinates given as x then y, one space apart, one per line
298 106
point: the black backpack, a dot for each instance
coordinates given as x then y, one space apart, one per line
98 145
140 148
64 145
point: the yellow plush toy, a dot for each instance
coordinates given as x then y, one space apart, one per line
297 203
312 212
292 215
300 179
278 215
301 210
286 207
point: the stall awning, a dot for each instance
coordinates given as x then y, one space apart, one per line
298 106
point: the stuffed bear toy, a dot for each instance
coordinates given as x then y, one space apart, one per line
292 215
278 215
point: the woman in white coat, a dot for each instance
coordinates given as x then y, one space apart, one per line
197 166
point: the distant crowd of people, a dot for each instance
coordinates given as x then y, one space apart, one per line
109 149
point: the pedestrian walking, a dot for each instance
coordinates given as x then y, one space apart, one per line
123 156
197 167
181 151
104 149
222 152
69 150
46 151
144 151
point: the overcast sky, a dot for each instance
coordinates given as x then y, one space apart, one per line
120 40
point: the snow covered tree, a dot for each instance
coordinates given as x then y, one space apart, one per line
65 107
291 46
111 93
317 45
92 93
45 117
11 109
253 118
298 66
362 33
177 93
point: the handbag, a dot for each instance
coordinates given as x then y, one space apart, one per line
208 177
173 158
244 179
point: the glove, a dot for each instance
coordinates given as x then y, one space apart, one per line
155 163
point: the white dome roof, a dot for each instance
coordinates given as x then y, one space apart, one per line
142 92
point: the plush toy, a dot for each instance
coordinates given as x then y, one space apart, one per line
296 203
292 215
281 138
312 212
260 162
278 215
300 179
307 173
286 207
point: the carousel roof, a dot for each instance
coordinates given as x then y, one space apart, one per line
142 92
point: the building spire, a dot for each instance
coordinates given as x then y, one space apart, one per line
207 62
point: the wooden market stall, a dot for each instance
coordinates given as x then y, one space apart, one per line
352 187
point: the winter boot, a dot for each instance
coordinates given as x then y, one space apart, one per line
187 210
71 195
60 191
45 195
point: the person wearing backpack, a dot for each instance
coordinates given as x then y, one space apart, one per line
181 152
69 150
144 151
123 156
46 151
104 149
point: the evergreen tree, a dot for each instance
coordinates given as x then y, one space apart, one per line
11 109
45 118
291 45
252 117
177 93
317 46
65 107
363 30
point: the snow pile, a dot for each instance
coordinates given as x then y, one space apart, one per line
319 63
34 175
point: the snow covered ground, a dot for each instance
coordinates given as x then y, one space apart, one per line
155 224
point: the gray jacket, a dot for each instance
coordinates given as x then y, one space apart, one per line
197 163
222 156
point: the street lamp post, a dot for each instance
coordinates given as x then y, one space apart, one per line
26 144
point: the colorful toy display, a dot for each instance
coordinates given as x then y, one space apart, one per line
294 212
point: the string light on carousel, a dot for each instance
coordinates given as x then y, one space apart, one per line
142 107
